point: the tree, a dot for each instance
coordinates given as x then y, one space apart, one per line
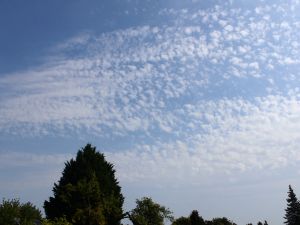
88 192
195 219
222 221
259 223
148 212
265 223
182 221
13 212
57 221
292 212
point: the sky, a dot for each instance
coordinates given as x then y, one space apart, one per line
195 102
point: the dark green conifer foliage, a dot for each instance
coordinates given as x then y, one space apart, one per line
196 219
222 221
292 212
88 192
182 221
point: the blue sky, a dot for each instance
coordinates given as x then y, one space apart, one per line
197 103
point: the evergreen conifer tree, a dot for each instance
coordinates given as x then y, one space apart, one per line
292 212
196 219
88 192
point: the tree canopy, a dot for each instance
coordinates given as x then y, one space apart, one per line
88 192
148 212
292 212
14 212
220 221
57 221
193 219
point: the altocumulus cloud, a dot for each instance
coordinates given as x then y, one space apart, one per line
212 91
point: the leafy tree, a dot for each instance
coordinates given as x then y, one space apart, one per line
182 221
88 192
57 221
9 211
148 212
13 212
221 221
193 219
292 212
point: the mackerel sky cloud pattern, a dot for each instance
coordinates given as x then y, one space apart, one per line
206 92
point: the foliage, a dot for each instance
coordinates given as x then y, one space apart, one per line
148 212
182 221
195 219
57 221
260 223
88 192
220 221
292 212
13 212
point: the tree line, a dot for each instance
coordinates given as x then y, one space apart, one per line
88 193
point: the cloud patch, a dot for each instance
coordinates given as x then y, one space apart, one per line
213 90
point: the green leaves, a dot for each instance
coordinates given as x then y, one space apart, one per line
13 212
148 212
195 219
57 221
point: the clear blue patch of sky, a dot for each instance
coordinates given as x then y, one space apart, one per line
30 27
73 142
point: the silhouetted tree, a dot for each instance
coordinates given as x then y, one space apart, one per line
265 223
182 221
292 212
193 219
88 192
148 212
196 219
259 223
222 221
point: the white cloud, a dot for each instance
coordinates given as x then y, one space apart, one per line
235 137
195 87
